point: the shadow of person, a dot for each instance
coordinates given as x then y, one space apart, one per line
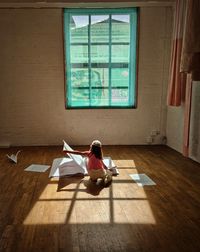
95 188
65 181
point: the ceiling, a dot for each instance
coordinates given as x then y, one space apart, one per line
80 3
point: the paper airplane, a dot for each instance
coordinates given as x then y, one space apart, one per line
13 157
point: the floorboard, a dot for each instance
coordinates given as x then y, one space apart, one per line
67 214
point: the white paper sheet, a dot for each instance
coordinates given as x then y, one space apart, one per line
65 166
75 164
37 168
77 158
142 179
111 165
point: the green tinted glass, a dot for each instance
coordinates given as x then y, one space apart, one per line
100 50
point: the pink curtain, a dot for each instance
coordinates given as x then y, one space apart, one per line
185 60
190 58
176 87
190 62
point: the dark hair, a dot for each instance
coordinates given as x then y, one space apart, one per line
97 151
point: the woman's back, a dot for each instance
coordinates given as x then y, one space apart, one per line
94 163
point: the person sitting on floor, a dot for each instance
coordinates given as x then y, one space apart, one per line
95 165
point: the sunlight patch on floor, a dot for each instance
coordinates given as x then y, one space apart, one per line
120 163
122 202
134 212
48 212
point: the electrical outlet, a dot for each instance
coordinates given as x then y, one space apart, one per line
155 133
149 140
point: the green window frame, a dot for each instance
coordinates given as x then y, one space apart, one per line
100 57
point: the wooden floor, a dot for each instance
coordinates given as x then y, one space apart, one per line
42 214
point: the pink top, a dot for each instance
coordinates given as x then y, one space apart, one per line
93 162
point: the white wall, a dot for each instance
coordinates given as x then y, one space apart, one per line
174 129
194 144
32 109
175 125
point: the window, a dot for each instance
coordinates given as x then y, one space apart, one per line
100 55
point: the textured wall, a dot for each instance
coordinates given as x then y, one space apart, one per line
195 123
32 110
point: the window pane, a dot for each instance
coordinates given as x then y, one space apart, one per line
120 53
100 97
99 77
120 97
79 29
100 28
79 54
80 97
121 28
79 78
120 77
99 54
